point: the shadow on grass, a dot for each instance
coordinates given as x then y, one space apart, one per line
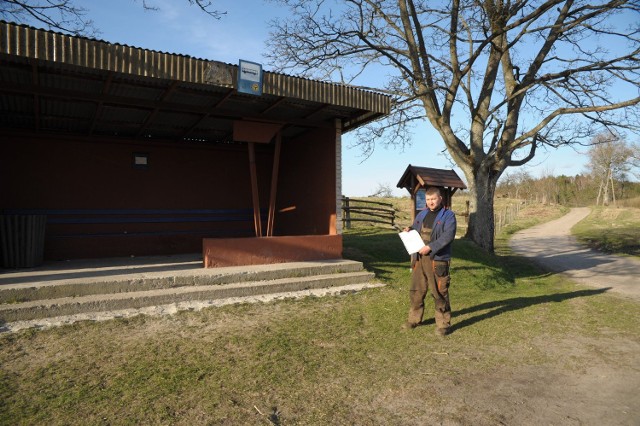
381 251
499 307
377 249
622 240
383 254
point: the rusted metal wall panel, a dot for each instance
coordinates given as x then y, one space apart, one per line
221 252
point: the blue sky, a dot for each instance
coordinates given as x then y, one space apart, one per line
241 34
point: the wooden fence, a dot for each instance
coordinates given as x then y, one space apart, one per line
355 210
507 215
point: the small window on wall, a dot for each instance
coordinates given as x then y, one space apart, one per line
140 160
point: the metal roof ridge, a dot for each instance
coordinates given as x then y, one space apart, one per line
142 49
99 40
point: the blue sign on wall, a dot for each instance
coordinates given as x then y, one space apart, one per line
249 78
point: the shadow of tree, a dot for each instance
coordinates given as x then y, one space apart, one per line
618 240
383 253
378 249
499 307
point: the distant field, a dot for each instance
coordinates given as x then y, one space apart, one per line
612 230
630 202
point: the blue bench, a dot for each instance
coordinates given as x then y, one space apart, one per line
60 220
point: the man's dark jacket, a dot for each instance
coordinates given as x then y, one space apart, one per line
442 234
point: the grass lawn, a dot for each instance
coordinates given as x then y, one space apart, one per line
612 230
318 361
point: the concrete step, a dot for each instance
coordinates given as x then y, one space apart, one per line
78 281
37 309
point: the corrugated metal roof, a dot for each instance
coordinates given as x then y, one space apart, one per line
31 43
55 82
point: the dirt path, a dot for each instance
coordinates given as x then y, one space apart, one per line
595 379
553 247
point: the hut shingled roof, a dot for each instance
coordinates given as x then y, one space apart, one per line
426 176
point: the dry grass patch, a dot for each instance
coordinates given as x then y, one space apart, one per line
611 230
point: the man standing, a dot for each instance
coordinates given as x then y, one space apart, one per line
437 227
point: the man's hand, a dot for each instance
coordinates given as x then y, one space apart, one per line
407 229
425 250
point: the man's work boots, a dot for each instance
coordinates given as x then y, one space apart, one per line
442 332
409 325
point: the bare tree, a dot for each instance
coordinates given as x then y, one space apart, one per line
62 15
383 190
610 160
497 79
67 16
205 5
635 160
519 184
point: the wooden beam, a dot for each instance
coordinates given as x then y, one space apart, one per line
274 105
204 116
98 110
257 221
413 201
274 185
150 104
317 110
152 115
255 131
36 99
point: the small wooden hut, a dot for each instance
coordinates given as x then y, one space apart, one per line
417 180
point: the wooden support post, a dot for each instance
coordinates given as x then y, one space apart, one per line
466 213
257 221
274 185
414 203
347 212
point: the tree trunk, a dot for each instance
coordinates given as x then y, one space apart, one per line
599 193
613 190
481 216
605 195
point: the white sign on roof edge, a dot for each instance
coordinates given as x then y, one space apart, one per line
249 77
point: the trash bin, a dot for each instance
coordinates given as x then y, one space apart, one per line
22 240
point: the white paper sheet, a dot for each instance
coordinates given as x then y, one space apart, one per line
412 241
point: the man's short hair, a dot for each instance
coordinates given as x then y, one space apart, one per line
434 190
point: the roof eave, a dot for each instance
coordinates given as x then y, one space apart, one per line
44 45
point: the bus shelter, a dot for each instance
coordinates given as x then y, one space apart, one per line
126 151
